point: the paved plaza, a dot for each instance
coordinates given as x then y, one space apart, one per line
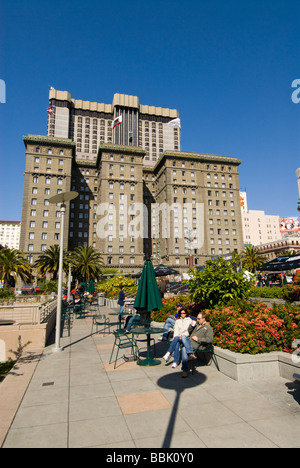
76 399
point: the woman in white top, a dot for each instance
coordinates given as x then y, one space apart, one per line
181 337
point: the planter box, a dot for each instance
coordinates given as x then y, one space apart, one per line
243 367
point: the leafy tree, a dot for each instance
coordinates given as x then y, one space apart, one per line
48 262
87 263
252 258
13 265
217 284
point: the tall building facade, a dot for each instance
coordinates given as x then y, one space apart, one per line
137 198
90 124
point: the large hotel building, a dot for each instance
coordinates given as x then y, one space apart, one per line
139 194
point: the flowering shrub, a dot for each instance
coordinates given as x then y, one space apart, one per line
244 327
169 308
259 329
291 292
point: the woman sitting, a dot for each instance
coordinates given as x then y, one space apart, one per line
181 337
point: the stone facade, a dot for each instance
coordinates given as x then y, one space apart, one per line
186 206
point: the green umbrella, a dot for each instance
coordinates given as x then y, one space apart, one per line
147 299
91 287
148 296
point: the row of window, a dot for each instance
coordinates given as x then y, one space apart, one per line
35 180
44 236
49 160
45 213
32 224
49 151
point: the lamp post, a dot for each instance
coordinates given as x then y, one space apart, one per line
60 198
298 177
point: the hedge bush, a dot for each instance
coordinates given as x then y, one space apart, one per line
257 328
244 326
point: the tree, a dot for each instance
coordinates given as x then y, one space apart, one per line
87 263
217 284
12 265
48 262
252 258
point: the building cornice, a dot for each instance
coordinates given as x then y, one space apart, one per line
47 141
201 157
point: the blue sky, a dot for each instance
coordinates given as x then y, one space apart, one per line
228 68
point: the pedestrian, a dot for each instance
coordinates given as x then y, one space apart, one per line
201 335
170 322
181 337
121 302
162 287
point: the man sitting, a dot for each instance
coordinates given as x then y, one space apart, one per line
201 332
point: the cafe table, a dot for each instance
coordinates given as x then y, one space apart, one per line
148 331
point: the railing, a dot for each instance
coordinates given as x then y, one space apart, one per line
47 310
24 299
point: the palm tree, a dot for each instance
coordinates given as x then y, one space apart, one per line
252 258
13 264
48 262
87 263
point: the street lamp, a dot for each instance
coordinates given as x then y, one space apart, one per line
298 177
60 198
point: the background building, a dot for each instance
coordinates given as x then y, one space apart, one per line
48 171
89 124
10 234
135 200
259 228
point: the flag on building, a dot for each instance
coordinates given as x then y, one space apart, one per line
50 110
174 123
117 121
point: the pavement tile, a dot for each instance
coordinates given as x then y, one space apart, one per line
142 402
239 435
76 399
283 431
95 432
47 436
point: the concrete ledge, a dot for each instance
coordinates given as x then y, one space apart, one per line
35 335
243 367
